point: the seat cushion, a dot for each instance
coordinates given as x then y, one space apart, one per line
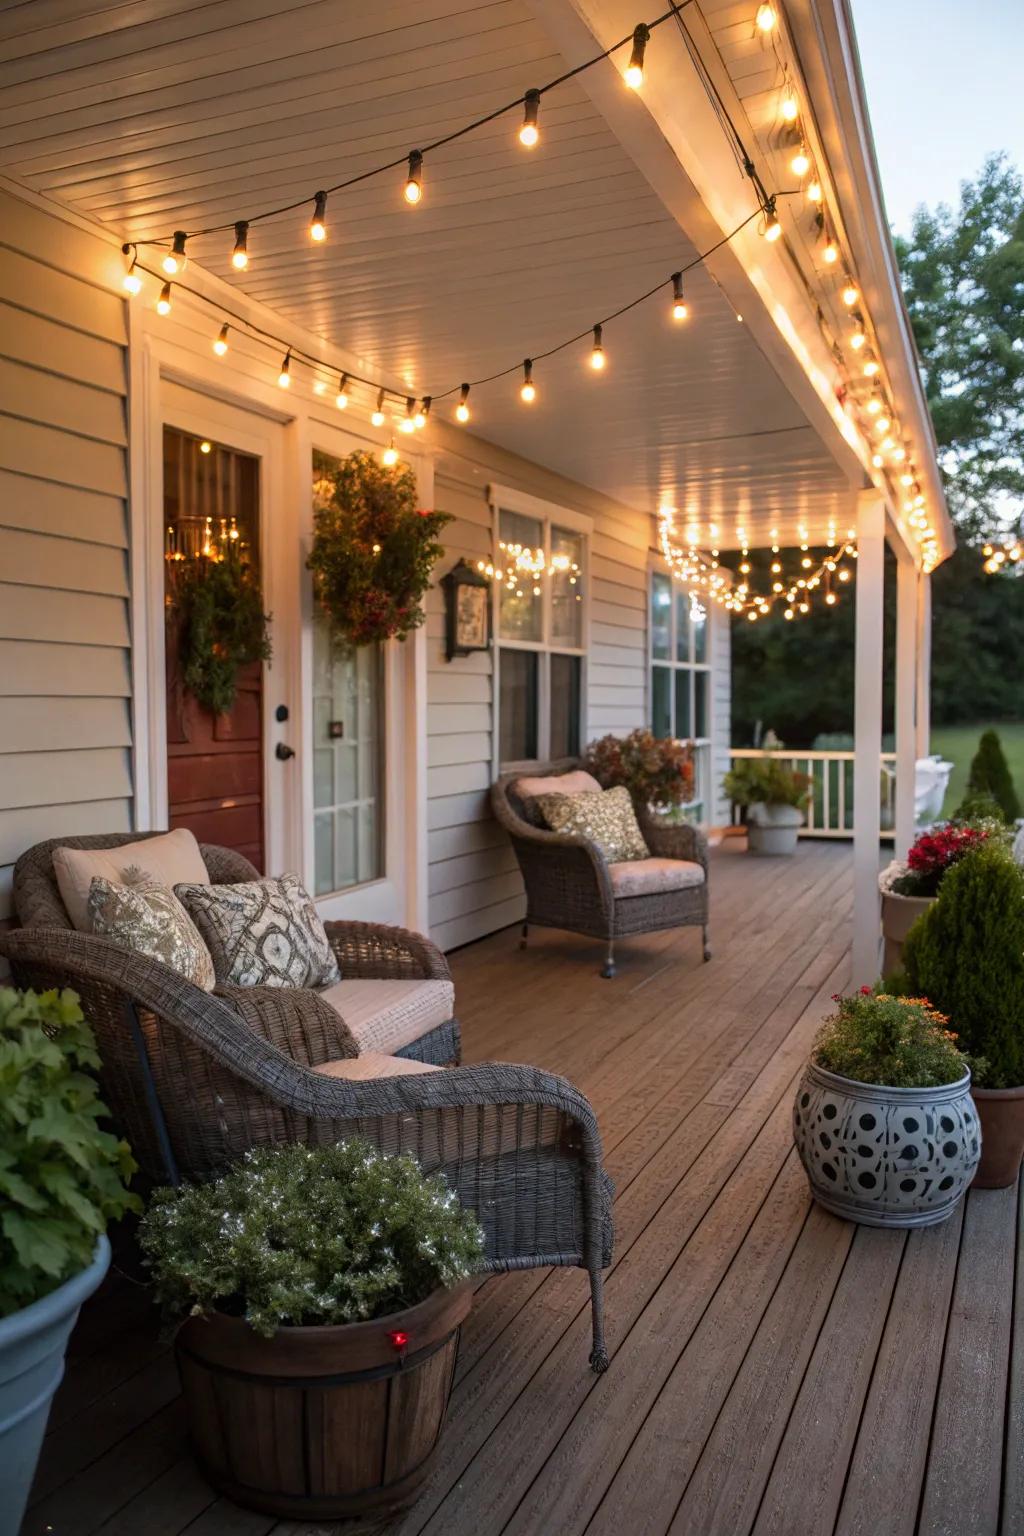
650 877
262 933
147 917
362 1069
388 1015
606 818
168 860
573 783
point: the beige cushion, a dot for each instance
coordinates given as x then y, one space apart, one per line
389 1015
166 860
606 818
360 1069
148 918
649 877
573 783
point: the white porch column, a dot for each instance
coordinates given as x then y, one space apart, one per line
867 731
906 683
924 665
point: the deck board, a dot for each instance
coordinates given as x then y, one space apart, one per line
774 1369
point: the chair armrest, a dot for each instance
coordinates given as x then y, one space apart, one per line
560 855
378 951
673 840
295 1019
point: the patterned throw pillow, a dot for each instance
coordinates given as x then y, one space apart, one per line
606 818
263 933
148 918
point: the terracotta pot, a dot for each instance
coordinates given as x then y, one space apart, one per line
1001 1112
899 914
325 1422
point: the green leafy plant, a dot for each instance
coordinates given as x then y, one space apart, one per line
304 1235
765 781
898 1042
979 806
966 954
62 1177
656 770
989 774
218 607
373 550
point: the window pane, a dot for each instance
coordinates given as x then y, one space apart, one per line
661 615
347 761
520 605
518 705
682 626
661 701
700 696
566 587
683 725
699 631
565 705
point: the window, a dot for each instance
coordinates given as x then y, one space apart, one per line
680 672
541 629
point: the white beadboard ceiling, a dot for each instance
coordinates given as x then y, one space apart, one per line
164 114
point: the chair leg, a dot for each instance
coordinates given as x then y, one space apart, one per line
609 965
707 946
599 1354
524 935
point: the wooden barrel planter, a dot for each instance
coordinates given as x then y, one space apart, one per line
323 1422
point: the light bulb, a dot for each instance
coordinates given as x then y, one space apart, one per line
240 254
814 191
205 446
529 133
830 254
800 163
390 456
874 406
870 369
597 352
377 418
408 422
220 346
772 228
132 282
163 303
462 409
850 295
679 309
857 340
635 68
318 223
528 392
883 424
284 378
766 16
414 180
174 261
788 107
341 398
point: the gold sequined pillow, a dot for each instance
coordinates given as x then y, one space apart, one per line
147 917
605 817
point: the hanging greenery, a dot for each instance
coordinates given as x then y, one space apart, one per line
373 549
222 627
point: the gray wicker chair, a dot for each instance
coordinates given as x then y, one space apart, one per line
196 1078
567 881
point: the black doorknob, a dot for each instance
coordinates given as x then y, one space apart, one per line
283 752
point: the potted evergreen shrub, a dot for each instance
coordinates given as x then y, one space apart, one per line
966 954
883 1119
773 797
909 887
62 1179
323 1289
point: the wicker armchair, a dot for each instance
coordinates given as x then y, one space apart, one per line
567 879
196 1078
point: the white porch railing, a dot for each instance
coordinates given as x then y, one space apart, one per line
830 805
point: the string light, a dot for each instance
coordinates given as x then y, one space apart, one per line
528 391
766 16
284 378
389 458
408 422
830 254
597 351
240 254
679 309
635 67
850 295
163 303
377 419
174 261
220 345
419 421
789 107
814 191
462 409
414 180
874 406
771 229
131 282
801 162
857 339
206 447
870 368
529 133
341 398
318 223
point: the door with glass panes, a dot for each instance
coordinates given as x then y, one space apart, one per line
681 674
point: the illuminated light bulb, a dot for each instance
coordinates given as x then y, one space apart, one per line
886 444
806 562
804 607
206 447
801 162
788 107
899 454
906 479
870 369
844 575
597 351
830 254
377 419
679 307
877 460
635 67
850 295
389 458
341 398
462 409
318 223
772 229
284 378
857 340
408 422
220 346
528 391
163 303
751 615
882 424
131 282
776 567
240 254
414 180
175 259
766 16
419 421
529 133
814 191
788 613
830 598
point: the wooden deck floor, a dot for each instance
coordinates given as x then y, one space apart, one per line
774 1369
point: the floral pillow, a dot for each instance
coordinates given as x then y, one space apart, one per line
263 933
148 918
605 817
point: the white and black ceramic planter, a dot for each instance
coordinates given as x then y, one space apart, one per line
886 1157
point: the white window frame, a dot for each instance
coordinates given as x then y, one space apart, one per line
549 514
702 744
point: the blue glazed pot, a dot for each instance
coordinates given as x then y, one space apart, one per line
32 1345
886 1157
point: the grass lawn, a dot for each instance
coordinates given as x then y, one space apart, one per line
958 744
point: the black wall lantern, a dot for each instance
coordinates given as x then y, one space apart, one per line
467 594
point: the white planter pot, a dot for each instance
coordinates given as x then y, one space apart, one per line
886 1157
773 829
899 914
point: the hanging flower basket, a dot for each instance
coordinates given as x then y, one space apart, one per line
218 608
373 551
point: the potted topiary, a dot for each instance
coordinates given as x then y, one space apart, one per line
883 1119
966 953
909 887
62 1179
323 1290
773 797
